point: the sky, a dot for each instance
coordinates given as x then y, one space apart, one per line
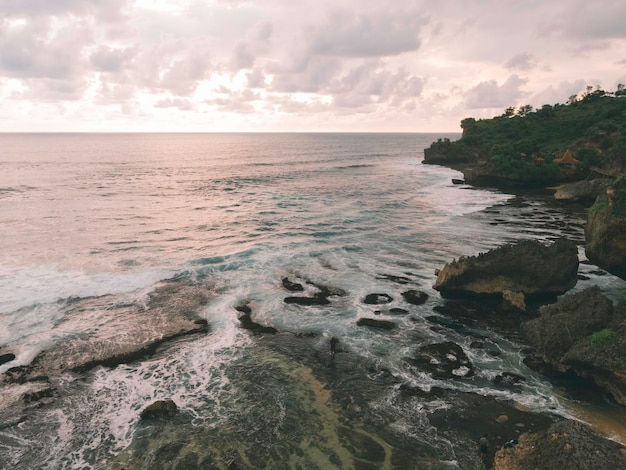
297 65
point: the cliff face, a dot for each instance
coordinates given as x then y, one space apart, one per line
605 231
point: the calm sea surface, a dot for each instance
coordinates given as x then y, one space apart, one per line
85 215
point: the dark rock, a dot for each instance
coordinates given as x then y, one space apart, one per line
508 379
566 445
398 311
8 357
159 409
377 299
457 181
318 299
292 286
30 397
562 324
527 266
382 324
397 279
605 236
563 338
246 322
443 360
415 297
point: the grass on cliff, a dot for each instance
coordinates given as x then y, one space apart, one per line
602 336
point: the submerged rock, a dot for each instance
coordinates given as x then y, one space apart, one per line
443 360
377 299
415 297
527 267
159 409
372 322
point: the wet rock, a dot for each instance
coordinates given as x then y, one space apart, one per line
508 379
513 301
563 338
377 299
292 286
397 279
443 360
415 297
318 298
7 357
37 395
374 323
246 322
120 333
566 445
528 267
159 409
398 311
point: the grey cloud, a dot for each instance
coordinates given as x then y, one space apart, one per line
108 59
257 42
523 61
372 35
105 10
306 75
235 102
489 94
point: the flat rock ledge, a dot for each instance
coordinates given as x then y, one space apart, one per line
527 267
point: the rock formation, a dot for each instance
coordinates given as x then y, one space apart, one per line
526 267
583 332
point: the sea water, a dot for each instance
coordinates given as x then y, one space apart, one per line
86 215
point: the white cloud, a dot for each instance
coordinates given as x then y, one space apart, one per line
489 94
366 65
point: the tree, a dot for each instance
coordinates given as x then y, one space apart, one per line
524 110
509 112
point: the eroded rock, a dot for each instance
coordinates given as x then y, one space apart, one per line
527 267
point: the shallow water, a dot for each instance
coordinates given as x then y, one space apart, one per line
90 215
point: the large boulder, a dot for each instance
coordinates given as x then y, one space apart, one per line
583 332
605 236
567 445
526 267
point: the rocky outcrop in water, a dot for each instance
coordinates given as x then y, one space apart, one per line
159 409
526 267
583 332
443 360
566 445
119 333
246 321
7 357
374 323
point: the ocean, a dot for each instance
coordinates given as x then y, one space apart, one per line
85 217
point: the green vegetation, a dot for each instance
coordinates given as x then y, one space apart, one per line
602 336
526 145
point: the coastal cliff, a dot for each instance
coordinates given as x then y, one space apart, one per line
576 149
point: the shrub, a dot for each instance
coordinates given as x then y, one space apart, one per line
602 336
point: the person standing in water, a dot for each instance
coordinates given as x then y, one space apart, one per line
333 346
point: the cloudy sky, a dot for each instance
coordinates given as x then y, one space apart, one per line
297 65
